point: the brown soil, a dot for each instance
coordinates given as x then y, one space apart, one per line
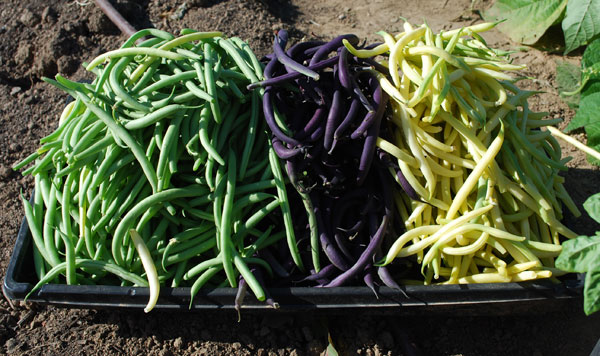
44 38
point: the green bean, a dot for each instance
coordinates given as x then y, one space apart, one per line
142 206
258 67
192 87
210 81
225 231
126 52
236 90
32 157
135 187
253 283
204 121
251 137
42 164
35 230
112 154
208 173
39 264
163 35
179 272
521 141
220 186
154 117
94 148
253 247
202 280
235 55
194 248
75 166
48 228
67 235
119 131
285 207
121 93
226 127
92 265
255 219
168 145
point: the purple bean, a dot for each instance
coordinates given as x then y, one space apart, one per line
360 95
292 173
366 157
346 122
272 261
270 68
301 47
284 152
315 135
240 295
369 279
344 72
331 46
372 63
282 79
312 124
371 116
408 189
404 184
325 272
327 245
386 277
270 119
335 111
365 257
261 280
283 58
304 50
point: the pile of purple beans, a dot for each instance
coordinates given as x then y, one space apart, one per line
325 109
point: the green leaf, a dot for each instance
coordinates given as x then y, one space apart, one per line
526 20
591 290
593 136
592 206
591 55
591 73
587 113
568 79
579 254
330 351
592 86
580 23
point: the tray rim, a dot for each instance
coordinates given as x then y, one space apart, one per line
292 299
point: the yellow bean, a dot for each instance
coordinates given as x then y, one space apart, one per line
397 152
484 278
396 51
469 184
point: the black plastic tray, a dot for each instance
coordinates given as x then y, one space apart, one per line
496 298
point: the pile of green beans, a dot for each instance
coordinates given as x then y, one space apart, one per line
160 171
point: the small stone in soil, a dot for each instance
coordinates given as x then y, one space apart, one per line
15 90
28 18
48 15
5 171
11 345
177 343
236 346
